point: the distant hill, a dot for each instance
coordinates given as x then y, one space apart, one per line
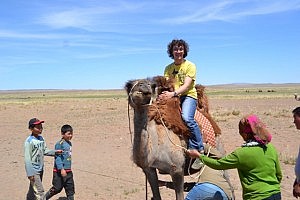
254 85
231 85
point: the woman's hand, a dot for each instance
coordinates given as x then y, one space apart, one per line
193 153
166 95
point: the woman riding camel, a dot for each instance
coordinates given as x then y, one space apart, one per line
183 72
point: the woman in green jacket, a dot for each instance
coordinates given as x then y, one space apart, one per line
256 161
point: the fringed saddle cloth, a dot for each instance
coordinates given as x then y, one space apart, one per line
206 128
169 112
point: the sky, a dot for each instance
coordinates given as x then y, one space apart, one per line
97 44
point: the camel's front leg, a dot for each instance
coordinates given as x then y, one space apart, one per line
152 178
178 181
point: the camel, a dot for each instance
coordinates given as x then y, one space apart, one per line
151 147
157 145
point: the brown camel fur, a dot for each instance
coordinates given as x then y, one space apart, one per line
203 107
202 98
168 110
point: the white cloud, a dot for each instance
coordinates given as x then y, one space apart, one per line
118 16
90 18
232 10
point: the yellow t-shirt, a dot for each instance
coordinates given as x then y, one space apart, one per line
179 72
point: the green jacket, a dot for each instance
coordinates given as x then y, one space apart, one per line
258 168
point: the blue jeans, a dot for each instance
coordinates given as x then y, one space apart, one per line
188 109
274 197
206 191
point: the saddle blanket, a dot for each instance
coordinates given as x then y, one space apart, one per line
206 128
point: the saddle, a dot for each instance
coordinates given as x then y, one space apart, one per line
168 113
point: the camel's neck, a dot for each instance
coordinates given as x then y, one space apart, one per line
141 136
140 123
140 116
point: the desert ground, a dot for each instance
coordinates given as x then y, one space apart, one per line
102 146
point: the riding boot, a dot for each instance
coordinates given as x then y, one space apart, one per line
70 197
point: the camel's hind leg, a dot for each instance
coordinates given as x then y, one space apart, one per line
152 178
178 181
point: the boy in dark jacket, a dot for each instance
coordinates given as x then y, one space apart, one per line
62 172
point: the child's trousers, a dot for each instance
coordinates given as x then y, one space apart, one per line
36 189
59 182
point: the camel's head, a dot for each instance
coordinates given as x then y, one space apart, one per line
140 92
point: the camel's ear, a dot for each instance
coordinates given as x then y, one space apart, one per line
154 89
153 86
128 86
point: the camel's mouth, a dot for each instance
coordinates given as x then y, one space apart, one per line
144 93
139 94
141 98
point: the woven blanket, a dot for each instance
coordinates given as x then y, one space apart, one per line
207 130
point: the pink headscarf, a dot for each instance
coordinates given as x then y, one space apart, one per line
251 124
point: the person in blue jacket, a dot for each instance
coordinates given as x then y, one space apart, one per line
62 171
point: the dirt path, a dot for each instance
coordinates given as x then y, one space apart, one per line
102 146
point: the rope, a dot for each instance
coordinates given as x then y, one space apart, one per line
146 180
202 169
184 149
167 131
129 123
107 176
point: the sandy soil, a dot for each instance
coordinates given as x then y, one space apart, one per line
102 163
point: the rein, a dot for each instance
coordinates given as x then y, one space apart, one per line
167 131
184 149
131 139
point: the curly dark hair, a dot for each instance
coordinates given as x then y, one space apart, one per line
179 43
